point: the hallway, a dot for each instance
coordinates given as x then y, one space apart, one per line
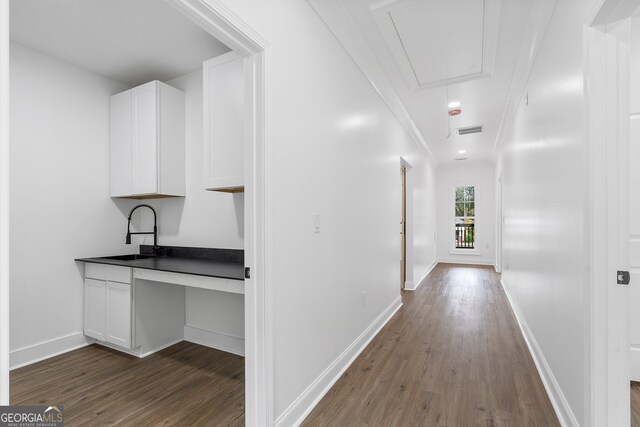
453 355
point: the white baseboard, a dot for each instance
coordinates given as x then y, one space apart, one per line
35 353
303 404
214 340
412 286
634 361
560 404
465 261
136 351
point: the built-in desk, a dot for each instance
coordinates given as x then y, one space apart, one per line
138 305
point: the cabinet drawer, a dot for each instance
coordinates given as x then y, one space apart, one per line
113 273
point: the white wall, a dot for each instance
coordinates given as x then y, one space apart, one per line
336 151
201 219
544 174
480 175
60 205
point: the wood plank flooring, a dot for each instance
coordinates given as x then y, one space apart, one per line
183 385
635 404
452 356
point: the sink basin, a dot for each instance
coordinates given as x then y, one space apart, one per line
131 257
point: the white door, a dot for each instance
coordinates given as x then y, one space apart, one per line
120 117
94 309
607 329
118 314
144 147
634 196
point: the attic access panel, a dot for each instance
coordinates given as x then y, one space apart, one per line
438 42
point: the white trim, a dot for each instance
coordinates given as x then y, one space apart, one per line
414 285
634 361
217 19
466 261
477 226
155 350
606 11
499 221
4 203
190 280
216 340
44 350
560 404
339 21
295 414
606 321
136 351
469 252
409 226
381 13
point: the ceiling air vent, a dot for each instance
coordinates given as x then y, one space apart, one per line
470 129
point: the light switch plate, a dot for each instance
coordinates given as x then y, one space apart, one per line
316 223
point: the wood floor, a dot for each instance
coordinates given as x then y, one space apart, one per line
635 404
183 385
452 356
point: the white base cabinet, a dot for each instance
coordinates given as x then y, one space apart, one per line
107 304
118 314
138 317
94 308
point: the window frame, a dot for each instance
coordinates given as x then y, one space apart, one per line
452 221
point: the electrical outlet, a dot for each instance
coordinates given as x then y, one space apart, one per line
363 298
316 223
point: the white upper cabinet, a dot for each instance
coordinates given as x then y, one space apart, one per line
224 130
147 142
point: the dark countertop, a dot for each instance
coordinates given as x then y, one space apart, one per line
223 263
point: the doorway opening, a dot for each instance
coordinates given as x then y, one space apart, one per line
406 226
403 229
217 20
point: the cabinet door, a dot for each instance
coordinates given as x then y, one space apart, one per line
94 308
223 109
118 316
120 128
144 145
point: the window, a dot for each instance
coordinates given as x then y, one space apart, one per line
465 217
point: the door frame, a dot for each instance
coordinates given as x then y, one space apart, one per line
222 23
499 224
606 68
403 230
219 21
4 202
409 279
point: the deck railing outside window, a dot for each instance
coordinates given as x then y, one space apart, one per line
464 236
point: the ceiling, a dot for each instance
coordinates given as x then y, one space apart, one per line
129 41
437 51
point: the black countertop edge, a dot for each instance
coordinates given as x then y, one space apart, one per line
218 254
221 263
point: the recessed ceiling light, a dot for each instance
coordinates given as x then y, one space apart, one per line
462 151
454 104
